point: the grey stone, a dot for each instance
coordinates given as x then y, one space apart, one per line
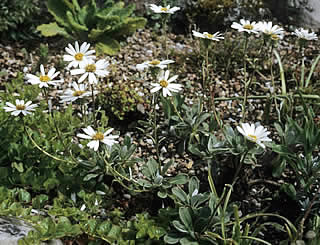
312 18
13 229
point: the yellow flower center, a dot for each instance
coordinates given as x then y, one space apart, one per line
78 56
164 83
252 137
44 78
98 136
78 93
208 35
164 9
91 68
275 37
20 107
154 62
248 27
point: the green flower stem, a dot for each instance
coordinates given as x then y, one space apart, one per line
164 32
218 206
93 107
205 65
119 177
58 131
206 73
273 82
176 110
213 104
205 78
42 150
155 130
51 114
245 99
246 83
302 67
245 47
243 157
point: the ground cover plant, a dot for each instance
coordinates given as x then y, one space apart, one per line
182 169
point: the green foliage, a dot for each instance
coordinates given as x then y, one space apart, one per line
299 150
104 25
22 163
211 15
120 99
185 123
17 18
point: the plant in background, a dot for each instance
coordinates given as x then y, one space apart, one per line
119 100
18 19
247 28
207 39
210 218
303 37
299 150
104 25
164 11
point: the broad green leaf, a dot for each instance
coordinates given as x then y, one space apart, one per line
156 232
104 228
78 28
172 238
114 232
51 29
180 227
179 179
18 166
152 167
187 241
185 215
90 226
180 194
59 8
39 201
108 46
162 194
279 129
90 176
193 185
24 196
290 190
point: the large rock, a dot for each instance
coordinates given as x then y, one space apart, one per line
12 229
311 18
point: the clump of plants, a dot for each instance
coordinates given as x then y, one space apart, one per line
120 99
17 19
103 25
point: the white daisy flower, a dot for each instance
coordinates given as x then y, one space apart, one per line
78 92
20 107
305 34
255 134
165 84
274 31
154 63
92 70
245 26
97 137
163 10
215 37
76 55
44 80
